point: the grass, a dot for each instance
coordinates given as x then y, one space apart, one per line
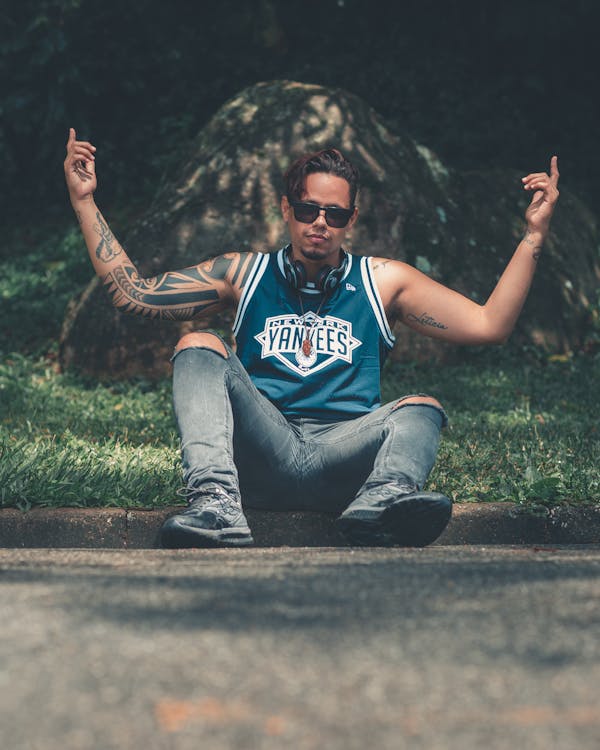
67 442
520 431
42 268
523 427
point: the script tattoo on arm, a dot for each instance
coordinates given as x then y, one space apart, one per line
106 250
177 295
381 264
426 320
537 249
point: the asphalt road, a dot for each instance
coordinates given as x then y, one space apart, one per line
446 647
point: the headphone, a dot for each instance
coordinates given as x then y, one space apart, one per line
327 281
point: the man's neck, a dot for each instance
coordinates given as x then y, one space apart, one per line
313 265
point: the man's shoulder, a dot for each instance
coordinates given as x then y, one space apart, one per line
384 265
371 258
243 270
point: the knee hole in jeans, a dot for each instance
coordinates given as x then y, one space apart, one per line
202 340
421 400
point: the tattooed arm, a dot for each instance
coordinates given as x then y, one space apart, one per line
177 295
434 310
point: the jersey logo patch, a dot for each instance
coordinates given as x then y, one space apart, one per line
331 339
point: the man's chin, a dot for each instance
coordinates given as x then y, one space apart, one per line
314 253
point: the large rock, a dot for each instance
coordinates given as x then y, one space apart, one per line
459 228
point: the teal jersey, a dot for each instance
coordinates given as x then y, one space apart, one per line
338 376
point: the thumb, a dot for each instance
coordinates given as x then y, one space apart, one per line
71 138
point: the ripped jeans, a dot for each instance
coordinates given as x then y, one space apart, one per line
231 435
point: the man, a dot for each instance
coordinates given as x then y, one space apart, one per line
293 419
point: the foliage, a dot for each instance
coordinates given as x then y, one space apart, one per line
43 272
521 428
68 442
592 334
140 78
519 431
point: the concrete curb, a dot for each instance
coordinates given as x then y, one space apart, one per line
116 528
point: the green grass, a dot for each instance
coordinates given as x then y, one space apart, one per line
523 428
67 442
42 269
521 431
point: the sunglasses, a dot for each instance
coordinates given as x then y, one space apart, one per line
334 216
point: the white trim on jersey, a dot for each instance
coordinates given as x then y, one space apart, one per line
260 265
348 266
280 253
375 300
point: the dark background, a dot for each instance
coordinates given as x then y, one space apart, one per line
483 84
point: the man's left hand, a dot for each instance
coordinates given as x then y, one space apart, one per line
541 208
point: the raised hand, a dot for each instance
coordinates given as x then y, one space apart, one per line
80 168
541 208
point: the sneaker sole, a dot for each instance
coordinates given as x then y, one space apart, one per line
175 535
415 521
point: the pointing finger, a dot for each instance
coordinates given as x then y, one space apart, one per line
554 173
71 138
72 141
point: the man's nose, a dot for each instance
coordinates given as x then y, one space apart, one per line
320 219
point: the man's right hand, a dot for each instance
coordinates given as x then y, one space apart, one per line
80 168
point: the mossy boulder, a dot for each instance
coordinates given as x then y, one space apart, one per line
224 195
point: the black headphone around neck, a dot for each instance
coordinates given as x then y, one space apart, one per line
327 281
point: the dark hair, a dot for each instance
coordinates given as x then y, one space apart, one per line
329 160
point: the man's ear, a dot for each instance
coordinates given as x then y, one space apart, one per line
285 207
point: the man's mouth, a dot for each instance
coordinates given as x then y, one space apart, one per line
317 238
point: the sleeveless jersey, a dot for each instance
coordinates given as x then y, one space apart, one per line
349 333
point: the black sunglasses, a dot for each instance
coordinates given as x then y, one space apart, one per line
334 216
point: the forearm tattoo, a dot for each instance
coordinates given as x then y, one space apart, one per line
537 249
177 295
426 320
106 250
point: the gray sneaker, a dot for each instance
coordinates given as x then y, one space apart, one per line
213 518
395 514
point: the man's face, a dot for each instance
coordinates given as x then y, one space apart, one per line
318 243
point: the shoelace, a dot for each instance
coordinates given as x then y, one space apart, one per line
383 490
205 497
